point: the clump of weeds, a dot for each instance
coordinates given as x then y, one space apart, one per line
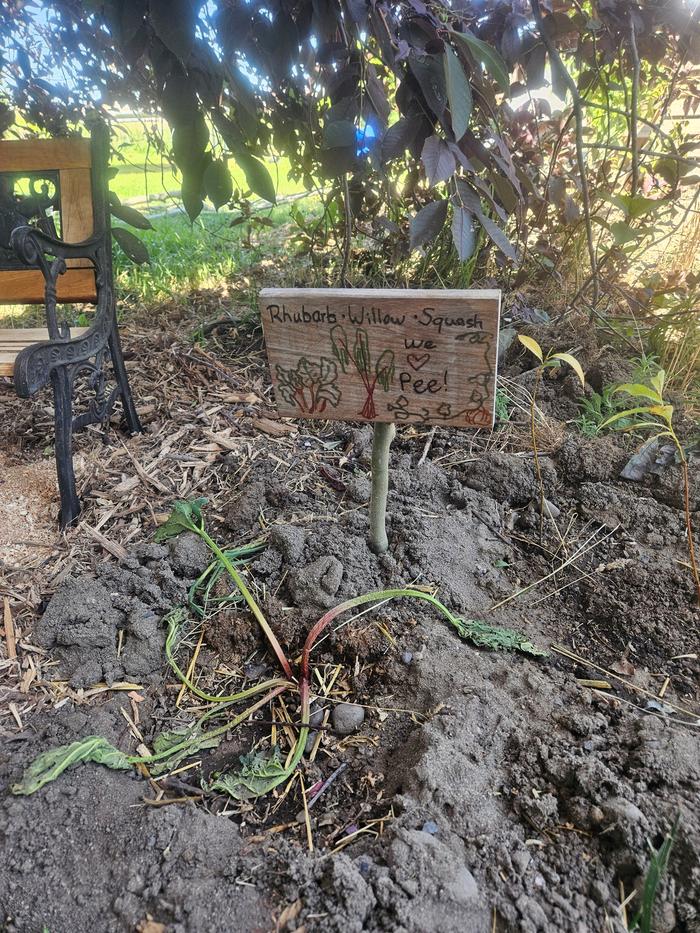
657 419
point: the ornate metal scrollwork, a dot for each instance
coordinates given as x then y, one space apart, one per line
19 208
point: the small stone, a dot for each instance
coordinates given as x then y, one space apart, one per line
407 657
550 510
358 489
347 718
430 826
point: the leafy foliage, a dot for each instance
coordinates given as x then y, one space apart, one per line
185 516
259 773
658 866
392 95
51 764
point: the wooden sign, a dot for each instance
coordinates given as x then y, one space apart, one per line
347 354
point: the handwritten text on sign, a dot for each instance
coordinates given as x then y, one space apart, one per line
383 354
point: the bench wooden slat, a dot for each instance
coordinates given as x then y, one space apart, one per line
14 339
26 286
36 155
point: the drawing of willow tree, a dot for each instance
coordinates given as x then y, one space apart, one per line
361 357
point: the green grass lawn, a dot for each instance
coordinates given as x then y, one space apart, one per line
147 175
208 253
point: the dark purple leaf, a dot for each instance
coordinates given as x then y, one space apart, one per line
437 159
427 223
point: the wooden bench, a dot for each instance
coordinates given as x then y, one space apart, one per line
42 181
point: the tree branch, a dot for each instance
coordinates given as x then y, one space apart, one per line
558 64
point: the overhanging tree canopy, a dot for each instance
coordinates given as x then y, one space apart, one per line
387 95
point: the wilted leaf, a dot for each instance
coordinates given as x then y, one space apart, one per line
573 363
438 160
497 638
459 93
131 216
487 56
259 774
532 345
185 516
463 232
218 183
49 765
428 222
132 246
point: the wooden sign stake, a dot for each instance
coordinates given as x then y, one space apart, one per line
383 356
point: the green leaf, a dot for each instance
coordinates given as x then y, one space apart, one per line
259 774
173 22
50 765
573 363
132 246
658 381
639 390
497 638
646 409
131 216
185 516
218 183
623 233
487 56
658 866
532 345
195 742
257 177
339 134
459 93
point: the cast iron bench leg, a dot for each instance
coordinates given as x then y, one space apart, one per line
63 418
130 416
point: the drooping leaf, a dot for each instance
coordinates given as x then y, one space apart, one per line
532 345
573 363
438 160
191 194
131 216
185 516
487 56
428 222
430 75
642 409
397 139
218 183
51 764
257 176
463 232
459 93
173 22
132 246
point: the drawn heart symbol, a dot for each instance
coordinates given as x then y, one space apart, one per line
417 360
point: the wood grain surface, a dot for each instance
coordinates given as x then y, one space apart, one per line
424 356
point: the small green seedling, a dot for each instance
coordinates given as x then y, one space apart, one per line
658 418
546 362
658 866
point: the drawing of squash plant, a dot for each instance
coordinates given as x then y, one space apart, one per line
382 372
309 386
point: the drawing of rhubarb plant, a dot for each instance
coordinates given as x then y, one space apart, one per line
360 355
309 386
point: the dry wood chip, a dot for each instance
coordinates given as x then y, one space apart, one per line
274 428
9 629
